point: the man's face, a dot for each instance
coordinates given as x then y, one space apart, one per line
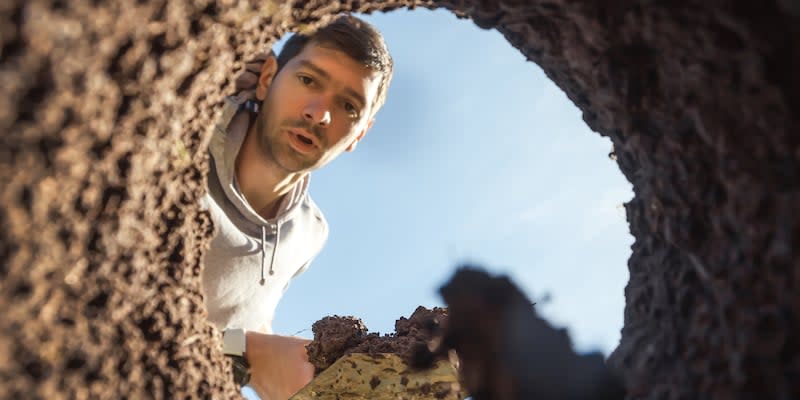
316 107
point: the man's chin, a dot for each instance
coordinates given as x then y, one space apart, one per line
292 162
296 166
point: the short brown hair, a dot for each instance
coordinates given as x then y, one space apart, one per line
358 39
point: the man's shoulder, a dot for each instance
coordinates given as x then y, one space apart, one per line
315 218
316 212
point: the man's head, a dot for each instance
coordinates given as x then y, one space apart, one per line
321 93
354 37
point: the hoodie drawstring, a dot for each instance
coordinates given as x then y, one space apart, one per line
264 252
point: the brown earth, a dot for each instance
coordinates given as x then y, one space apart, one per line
106 109
337 336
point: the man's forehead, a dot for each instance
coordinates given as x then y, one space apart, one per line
334 64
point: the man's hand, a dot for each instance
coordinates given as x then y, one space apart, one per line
279 365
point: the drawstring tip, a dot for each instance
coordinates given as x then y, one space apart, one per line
271 272
262 281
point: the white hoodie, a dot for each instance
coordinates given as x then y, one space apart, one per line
247 248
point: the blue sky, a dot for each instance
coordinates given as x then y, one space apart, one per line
476 157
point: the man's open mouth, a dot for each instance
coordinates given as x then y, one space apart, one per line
301 142
305 139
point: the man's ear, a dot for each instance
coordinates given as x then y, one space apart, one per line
268 70
360 136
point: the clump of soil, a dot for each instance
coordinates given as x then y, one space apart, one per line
507 352
337 336
333 336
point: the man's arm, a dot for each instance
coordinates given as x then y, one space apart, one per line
279 365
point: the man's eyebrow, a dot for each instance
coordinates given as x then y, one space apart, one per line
325 75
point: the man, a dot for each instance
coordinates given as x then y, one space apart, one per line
314 101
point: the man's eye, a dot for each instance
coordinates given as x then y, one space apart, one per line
351 109
305 80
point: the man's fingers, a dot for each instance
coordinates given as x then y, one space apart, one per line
279 365
307 374
301 346
303 341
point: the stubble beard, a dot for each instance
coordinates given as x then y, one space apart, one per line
274 145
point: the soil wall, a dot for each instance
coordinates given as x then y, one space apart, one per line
106 109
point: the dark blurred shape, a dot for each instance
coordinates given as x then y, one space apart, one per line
507 352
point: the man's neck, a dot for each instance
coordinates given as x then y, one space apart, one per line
262 183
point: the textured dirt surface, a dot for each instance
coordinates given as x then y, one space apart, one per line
105 110
333 336
361 376
337 336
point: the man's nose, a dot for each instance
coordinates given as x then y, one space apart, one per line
317 113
